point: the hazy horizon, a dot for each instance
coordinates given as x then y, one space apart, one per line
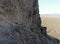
49 14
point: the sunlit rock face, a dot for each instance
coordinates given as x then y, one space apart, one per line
20 22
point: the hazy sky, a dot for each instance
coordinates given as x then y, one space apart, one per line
49 6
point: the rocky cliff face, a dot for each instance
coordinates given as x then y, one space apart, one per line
20 23
21 12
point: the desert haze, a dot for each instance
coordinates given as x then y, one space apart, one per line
53 25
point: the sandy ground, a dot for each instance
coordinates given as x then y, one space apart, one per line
53 25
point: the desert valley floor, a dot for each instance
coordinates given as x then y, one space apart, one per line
53 25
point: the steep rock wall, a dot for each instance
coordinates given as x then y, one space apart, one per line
24 12
20 22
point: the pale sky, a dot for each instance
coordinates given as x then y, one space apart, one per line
49 6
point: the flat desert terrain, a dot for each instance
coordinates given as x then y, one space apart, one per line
53 25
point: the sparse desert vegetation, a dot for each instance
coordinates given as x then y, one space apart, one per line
53 25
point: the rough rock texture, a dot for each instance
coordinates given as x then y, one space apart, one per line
21 12
20 23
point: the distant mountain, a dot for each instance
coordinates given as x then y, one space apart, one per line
50 14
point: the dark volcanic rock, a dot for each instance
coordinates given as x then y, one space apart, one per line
20 23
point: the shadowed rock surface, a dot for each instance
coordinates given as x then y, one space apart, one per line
20 23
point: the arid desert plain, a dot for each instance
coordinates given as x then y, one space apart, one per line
53 25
